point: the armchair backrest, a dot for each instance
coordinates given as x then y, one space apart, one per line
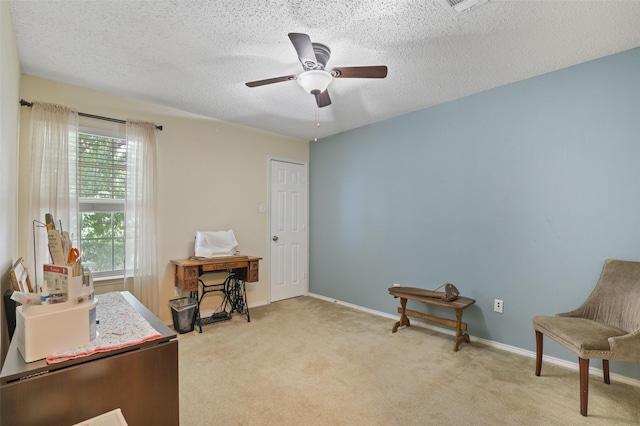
615 300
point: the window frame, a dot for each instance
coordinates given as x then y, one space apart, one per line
91 205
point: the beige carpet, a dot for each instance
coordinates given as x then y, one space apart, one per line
305 361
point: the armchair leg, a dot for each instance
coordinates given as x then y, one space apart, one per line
539 337
605 370
584 384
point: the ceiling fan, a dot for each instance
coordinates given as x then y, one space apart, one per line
315 79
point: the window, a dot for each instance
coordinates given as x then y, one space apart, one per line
102 168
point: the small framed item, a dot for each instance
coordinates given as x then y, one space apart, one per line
20 278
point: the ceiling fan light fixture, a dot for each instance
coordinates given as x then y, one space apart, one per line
314 81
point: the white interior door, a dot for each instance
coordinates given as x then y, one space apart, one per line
288 207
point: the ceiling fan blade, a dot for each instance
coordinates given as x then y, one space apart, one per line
271 80
379 71
323 99
303 46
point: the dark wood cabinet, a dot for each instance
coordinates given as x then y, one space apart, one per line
141 380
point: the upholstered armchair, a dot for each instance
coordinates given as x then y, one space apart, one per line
605 326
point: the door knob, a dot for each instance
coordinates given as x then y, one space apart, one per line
275 238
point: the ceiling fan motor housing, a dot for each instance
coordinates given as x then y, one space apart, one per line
323 53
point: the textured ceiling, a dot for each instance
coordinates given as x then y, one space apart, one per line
197 55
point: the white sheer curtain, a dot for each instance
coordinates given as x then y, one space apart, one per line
52 178
140 214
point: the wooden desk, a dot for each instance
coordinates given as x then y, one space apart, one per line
188 271
458 305
141 380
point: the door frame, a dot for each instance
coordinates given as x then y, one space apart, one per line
270 160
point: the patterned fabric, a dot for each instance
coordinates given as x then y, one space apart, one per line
120 326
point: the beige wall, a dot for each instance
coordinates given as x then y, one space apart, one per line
9 113
213 175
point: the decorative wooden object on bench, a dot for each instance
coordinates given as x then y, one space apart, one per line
429 297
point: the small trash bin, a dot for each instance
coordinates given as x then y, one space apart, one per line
183 311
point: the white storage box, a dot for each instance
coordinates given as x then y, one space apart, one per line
43 330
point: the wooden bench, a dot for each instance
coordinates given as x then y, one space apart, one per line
420 295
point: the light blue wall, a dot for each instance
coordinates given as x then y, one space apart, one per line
518 193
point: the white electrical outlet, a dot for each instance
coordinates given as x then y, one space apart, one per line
498 306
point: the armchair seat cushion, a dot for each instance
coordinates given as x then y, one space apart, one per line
585 337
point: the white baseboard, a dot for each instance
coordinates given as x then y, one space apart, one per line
497 345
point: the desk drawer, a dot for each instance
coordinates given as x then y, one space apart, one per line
188 285
223 266
187 272
253 272
186 278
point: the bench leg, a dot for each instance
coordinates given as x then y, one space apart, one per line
459 336
404 319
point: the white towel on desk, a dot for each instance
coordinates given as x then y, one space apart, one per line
216 243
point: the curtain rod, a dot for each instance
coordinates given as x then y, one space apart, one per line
82 114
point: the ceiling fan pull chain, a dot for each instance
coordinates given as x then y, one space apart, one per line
317 123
